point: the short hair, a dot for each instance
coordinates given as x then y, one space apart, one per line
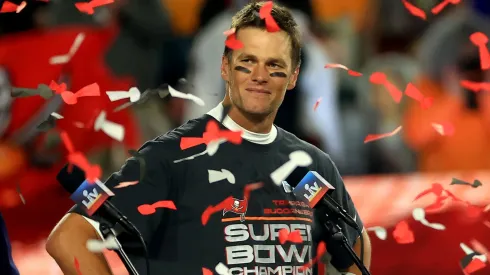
249 16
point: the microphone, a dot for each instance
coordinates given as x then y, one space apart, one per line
92 198
314 189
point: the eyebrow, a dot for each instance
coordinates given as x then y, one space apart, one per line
269 60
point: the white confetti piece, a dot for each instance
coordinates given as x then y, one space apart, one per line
196 155
487 208
222 269
296 158
98 246
57 116
65 58
213 146
419 215
175 93
215 176
79 124
379 231
112 129
133 94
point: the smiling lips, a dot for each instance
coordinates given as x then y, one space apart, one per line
258 91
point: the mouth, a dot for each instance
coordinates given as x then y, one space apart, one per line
258 91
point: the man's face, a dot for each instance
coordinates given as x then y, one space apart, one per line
259 74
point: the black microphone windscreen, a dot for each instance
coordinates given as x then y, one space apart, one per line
71 179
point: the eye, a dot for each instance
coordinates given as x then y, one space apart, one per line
274 65
247 60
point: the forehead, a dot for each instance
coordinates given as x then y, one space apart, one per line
264 44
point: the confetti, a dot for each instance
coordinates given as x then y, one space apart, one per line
414 93
403 234
215 176
112 129
475 184
381 79
229 32
17 187
212 133
213 146
340 66
206 271
98 246
379 231
475 86
222 269
320 250
133 94
11 7
480 40
126 184
479 247
296 158
88 8
414 10
42 90
71 98
65 58
251 187
213 209
439 7
77 266
293 236
444 129
373 137
195 99
317 103
473 261
265 13
418 214
232 42
148 209
92 172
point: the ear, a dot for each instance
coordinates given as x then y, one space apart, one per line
293 79
225 68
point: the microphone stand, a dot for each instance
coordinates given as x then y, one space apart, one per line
335 233
106 231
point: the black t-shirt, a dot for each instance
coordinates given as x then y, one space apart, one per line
244 238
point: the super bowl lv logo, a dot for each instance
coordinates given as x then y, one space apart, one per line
238 207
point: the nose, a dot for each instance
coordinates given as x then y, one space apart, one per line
260 75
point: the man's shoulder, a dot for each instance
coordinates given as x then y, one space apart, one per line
296 143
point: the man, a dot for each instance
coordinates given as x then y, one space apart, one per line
245 239
7 265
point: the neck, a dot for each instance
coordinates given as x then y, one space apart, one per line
254 123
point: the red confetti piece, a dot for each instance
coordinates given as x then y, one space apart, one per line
148 209
250 187
480 40
233 43
317 103
475 86
373 137
92 172
265 13
206 271
213 133
11 7
436 189
414 10
126 184
444 129
381 79
229 32
77 266
414 93
475 265
88 8
293 236
403 234
71 98
213 209
320 250
439 7
340 66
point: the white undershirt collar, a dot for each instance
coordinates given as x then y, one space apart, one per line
257 138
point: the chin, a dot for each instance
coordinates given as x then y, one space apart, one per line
256 110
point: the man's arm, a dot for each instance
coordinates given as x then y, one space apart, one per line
68 239
367 253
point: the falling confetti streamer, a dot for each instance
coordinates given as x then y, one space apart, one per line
17 187
418 214
216 208
195 99
11 7
229 32
65 58
232 42
133 94
414 10
77 266
265 13
126 184
71 98
473 261
403 234
215 176
320 250
222 269
88 8
148 209
340 66
379 231
317 103
439 7
475 184
112 129
444 129
373 137
475 86
212 133
92 172
480 40
97 246
414 93
206 271
293 236
379 78
296 159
